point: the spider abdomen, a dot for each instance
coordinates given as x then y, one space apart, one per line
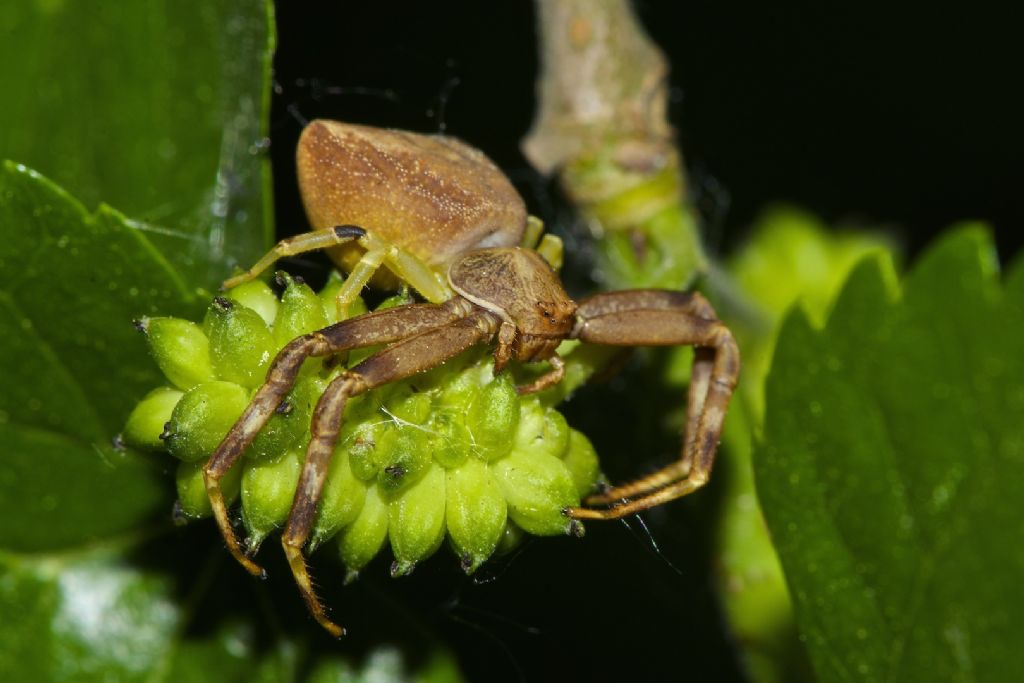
431 195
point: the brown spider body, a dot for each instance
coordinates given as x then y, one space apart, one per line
519 287
437 211
432 195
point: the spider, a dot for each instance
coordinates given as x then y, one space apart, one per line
440 216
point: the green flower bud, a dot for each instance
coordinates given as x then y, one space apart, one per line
329 295
147 421
460 390
363 456
494 416
362 540
301 312
510 539
202 418
537 488
343 498
556 433
193 501
475 512
409 406
360 433
541 430
267 492
451 441
288 428
581 460
417 521
241 346
256 295
180 349
394 301
404 453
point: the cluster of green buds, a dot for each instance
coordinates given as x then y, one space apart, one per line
452 452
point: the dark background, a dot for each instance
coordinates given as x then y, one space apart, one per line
904 115
899 115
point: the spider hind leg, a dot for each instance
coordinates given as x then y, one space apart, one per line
368 330
662 318
403 358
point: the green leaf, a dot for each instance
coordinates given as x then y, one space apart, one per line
891 471
157 107
73 365
98 619
97 614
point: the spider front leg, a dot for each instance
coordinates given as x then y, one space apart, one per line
368 330
408 268
663 318
699 376
377 252
299 244
547 380
398 361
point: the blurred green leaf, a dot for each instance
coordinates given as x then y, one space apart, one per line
89 620
891 471
73 366
156 107
70 502
790 256
159 108
97 614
